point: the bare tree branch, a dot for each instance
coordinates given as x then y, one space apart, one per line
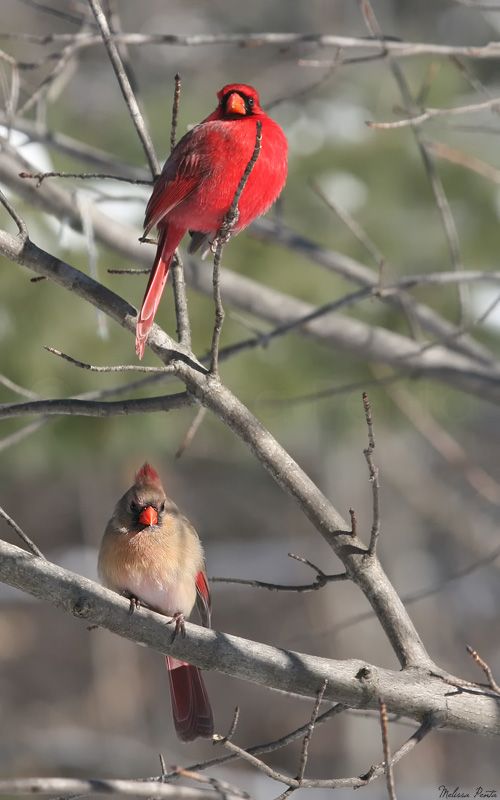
128 95
396 48
384 726
373 474
82 786
374 772
411 692
486 669
94 408
21 225
320 580
223 236
26 539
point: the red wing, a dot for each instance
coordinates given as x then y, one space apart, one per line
203 601
183 171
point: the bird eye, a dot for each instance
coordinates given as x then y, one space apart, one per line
133 506
250 101
161 508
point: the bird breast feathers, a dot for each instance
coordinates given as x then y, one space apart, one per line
157 566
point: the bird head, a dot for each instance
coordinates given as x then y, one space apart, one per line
238 100
144 504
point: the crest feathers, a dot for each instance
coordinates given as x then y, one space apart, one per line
146 474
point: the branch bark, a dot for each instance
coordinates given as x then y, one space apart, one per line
412 692
81 786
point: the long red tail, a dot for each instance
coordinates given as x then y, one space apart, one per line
191 708
170 237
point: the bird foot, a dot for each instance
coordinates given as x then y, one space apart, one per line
180 627
225 232
135 603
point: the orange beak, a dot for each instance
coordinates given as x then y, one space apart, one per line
235 104
148 516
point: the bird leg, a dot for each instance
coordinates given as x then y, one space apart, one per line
180 626
225 231
135 603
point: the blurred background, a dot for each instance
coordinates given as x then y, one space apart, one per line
80 703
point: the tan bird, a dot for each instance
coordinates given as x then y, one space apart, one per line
152 554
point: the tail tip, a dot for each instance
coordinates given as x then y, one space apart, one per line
140 344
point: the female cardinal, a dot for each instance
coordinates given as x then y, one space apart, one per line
199 180
152 555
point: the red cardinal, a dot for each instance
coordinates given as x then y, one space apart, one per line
199 180
152 555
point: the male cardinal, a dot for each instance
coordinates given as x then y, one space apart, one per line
152 554
199 180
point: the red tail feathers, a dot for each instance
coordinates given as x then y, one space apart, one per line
170 237
190 704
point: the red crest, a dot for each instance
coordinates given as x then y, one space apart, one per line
146 474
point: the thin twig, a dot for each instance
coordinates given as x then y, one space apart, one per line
356 229
373 473
130 271
384 726
275 744
331 391
26 539
163 765
21 434
232 728
223 236
191 432
177 267
41 176
111 368
485 667
304 755
354 522
222 788
12 94
83 204
175 110
374 772
455 156
128 95
318 583
180 301
321 579
21 225
60 71
14 387
443 442
397 48
115 27
75 148
430 113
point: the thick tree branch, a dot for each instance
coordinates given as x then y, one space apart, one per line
81 786
95 408
412 692
366 572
